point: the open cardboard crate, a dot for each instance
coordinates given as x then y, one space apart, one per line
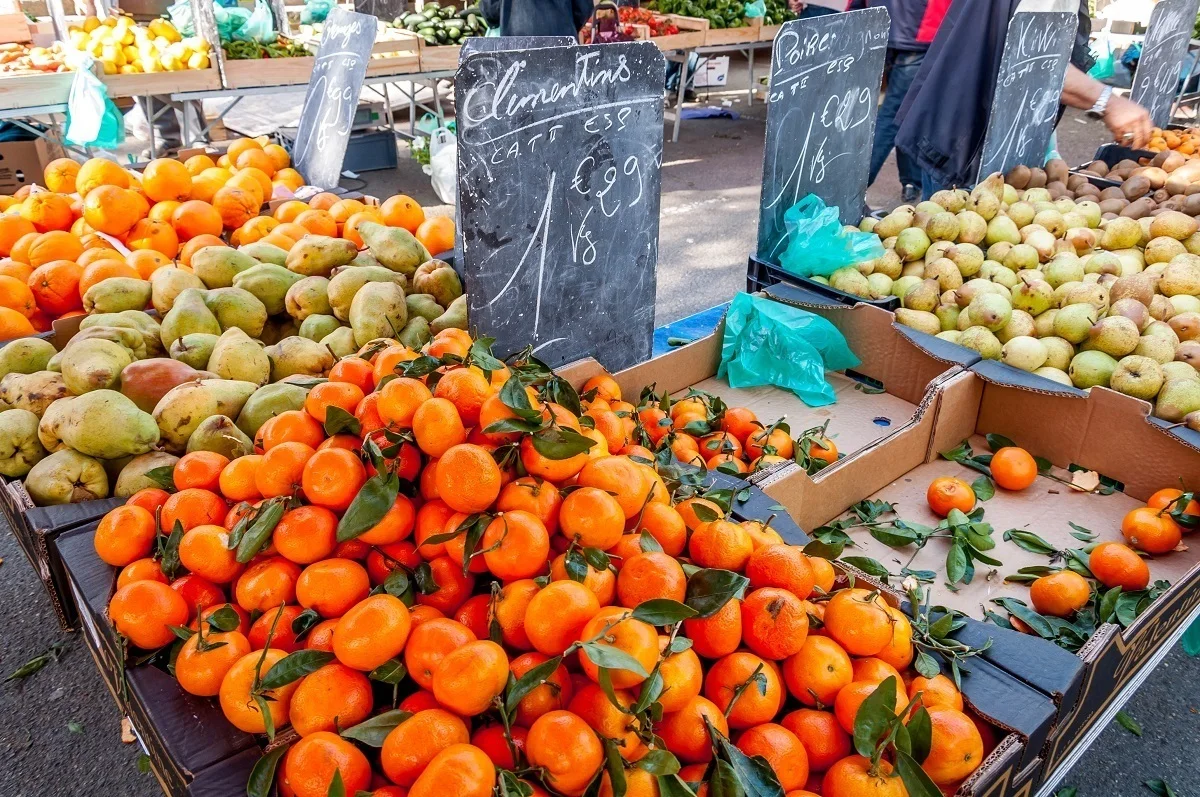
1101 431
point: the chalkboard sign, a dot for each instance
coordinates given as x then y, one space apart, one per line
491 44
383 9
332 98
1028 85
559 170
1156 80
821 103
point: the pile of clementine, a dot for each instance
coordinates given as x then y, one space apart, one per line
97 220
447 573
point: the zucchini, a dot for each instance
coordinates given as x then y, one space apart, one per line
413 19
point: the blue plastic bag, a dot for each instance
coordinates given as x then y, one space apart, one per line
92 118
817 244
757 8
259 27
770 343
315 11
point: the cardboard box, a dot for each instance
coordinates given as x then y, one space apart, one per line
1100 431
24 162
712 72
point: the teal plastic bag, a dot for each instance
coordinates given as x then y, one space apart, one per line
92 119
229 21
181 17
770 343
1105 59
259 26
755 9
315 11
817 244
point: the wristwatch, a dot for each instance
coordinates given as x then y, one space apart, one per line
1097 110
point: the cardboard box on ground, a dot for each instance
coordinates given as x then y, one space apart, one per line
23 162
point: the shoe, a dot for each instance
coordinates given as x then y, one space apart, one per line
910 193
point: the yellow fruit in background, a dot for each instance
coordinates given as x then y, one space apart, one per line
198 61
91 23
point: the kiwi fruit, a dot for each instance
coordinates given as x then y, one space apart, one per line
1127 164
1156 176
1138 208
1057 171
1160 195
1113 206
1172 162
1191 205
1135 187
1018 177
1160 158
1099 168
1193 188
1037 178
1074 181
1056 189
1087 190
1112 192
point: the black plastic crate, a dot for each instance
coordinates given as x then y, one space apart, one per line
761 275
371 152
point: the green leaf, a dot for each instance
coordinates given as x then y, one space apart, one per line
397 584
724 781
265 710
895 536
373 731
956 563
163 476
423 575
375 498
337 788
596 558
224 619
613 658
710 589
916 782
258 535
673 786
825 550
576 565
651 690
506 425
614 764
480 354
1040 625
513 396
1069 791
648 544
926 664
559 443
678 645
143 764
390 672
1108 605
754 775
659 762
1029 541
942 626
295 666
662 611
920 734
983 487
74 727
1080 533
868 565
998 441
169 563
1129 723
1160 788
875 717
338 421
529 681
704 513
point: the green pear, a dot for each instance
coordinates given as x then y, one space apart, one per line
25 356
108 425
317 326
394 247
346 282
93 365
140 320
416 333
341 342
187 315
167 283
269 283
133 476
37 391
378 311
297 355
220 434
319 255
184 406
455 316
269 401
216 266
194 349
306 297
20 448
116 294
128 337
264 252
50 426
438 279
238 356
235 307
66 477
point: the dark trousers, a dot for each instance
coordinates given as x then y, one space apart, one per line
903 66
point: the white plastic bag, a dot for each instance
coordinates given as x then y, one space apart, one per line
443 165
85 104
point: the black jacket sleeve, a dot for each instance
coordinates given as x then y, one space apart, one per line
491 12
582 11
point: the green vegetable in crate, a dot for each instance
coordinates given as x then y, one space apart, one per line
443 24
719 13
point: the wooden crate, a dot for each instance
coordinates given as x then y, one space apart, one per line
439 58
258 72
159 83
692 32
398 55
14 28
34 89
767 33
747 33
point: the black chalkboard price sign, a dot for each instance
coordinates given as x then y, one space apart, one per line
1157 77
332 98
559 160
1028 85
821 104
491 44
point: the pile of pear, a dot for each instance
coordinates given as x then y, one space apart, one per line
1056 287
199 359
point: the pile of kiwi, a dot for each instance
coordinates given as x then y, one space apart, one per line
1169 181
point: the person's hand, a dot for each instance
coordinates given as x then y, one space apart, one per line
797 6
1128 122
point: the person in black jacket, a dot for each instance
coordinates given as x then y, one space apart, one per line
537 17
944 118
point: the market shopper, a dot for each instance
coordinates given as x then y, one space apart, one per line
537 17
944 118
913 26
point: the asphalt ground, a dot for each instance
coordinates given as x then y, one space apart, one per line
60 733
